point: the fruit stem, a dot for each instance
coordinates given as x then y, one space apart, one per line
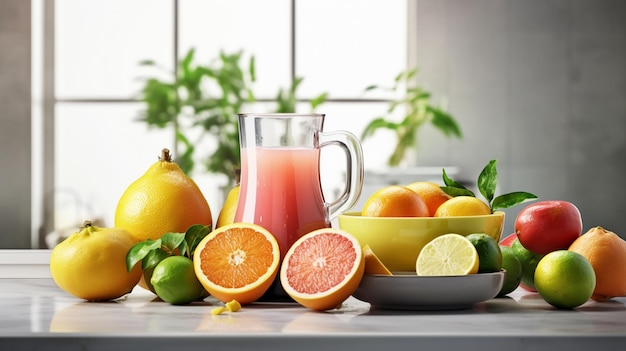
87 224
165 155
237 173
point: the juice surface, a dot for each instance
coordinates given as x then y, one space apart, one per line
281 191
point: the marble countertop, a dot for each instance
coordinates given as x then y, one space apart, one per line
36 314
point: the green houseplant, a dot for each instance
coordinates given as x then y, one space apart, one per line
419 112
201 101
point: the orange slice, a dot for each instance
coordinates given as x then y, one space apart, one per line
238 261
373 264
322 268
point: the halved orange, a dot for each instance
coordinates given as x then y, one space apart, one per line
238 261
322 268
373 264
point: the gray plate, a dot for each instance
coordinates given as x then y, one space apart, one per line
412 292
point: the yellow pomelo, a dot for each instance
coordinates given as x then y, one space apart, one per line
162 200
91 264
227 213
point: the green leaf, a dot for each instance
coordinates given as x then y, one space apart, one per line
139 251
153 258
376 124
449 181
318 100
454 191
194 235
488 180
454 188
173 241
511 199
444 122
252 68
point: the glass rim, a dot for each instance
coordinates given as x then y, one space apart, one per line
281 114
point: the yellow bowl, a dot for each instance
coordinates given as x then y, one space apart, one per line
398 240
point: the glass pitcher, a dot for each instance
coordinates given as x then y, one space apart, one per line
280 176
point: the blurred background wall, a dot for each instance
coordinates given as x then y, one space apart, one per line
538 85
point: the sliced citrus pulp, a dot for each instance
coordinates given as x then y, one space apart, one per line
238 261
373 265
449 254
322 268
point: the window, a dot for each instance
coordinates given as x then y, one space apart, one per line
339 47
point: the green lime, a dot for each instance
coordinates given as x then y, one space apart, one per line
529 262
513 269
147 275
565 279
175 281
489 255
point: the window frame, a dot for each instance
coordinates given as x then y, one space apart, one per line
44 184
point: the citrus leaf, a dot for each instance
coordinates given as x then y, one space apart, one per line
454 191
173 241
488 180
194 235
449 182
140 250
153 258
511 199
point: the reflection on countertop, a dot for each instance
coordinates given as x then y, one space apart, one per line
36 313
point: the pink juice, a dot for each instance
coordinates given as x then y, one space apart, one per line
281 191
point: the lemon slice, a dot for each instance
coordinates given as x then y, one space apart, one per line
373 265
449 254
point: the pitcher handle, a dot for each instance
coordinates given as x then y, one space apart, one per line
350 144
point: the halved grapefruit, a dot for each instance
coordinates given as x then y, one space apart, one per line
322 268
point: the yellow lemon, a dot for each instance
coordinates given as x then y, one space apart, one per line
162 200
463 206
91 264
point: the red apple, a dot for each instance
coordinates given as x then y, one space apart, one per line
547 226
508 240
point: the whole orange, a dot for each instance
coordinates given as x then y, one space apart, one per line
162 200
395 201
431 193
606 252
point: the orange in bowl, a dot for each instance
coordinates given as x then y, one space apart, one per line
398 240
395 201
